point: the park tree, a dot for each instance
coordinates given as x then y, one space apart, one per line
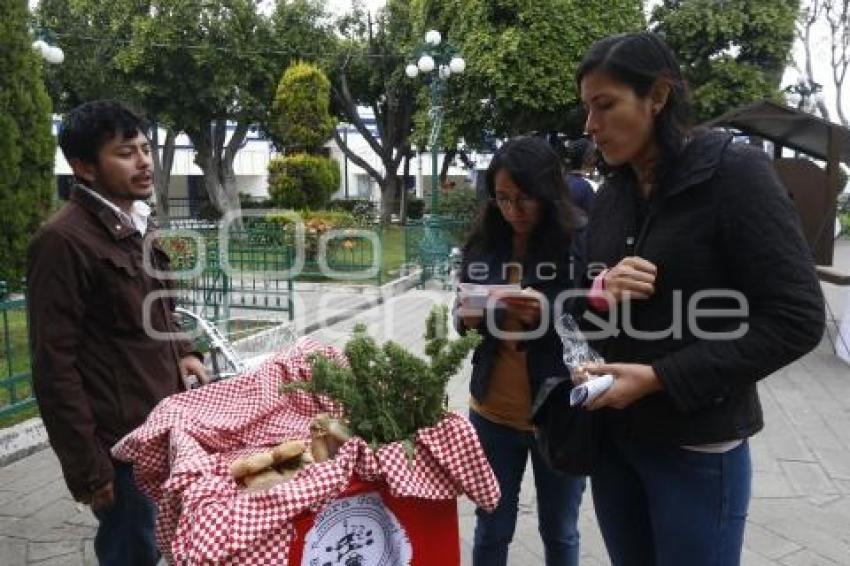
830 19
301 123
206 67
26 142
93 34
367 70
730 56
521 57
209 70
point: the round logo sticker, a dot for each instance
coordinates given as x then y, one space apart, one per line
356 531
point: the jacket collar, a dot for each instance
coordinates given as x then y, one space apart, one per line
107 217
698 162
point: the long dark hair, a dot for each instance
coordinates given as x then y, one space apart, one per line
639 60
536 169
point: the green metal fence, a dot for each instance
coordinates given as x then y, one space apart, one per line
16 394
436 261
255 265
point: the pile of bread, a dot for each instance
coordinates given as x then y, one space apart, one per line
267 469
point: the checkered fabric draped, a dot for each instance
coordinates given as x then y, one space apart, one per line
181 458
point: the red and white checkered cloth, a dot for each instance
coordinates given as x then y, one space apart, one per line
181 458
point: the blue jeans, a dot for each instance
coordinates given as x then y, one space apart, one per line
125 536
558 499
668 506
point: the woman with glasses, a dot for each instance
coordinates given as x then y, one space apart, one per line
524 235
711 288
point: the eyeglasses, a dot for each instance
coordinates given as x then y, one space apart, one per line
522 202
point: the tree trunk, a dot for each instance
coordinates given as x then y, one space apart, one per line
444 168
162 172
215 159
467 162
388 191
402 213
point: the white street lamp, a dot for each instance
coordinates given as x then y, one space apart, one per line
457 65
54 55
49 53
40 46
445 72
426 64
433 37
411 71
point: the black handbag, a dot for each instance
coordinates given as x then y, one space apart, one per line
567 437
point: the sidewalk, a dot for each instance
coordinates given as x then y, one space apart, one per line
800 513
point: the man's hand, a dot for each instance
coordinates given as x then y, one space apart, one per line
633 277
102 499
191 366
631 382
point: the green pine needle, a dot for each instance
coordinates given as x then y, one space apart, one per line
389 393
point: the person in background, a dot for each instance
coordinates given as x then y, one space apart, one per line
97 369
706 263
525 234
579 160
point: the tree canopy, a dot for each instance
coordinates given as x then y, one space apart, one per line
366 69
730 56
521 57
26 142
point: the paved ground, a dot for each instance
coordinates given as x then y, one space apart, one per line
800 513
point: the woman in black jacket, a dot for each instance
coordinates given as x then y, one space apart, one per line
523 236
708 287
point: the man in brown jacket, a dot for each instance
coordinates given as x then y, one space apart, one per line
97 316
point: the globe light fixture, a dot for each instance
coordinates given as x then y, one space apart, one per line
411 71
426 64
457 65
49 53
433 37
54 55
40 46
445 72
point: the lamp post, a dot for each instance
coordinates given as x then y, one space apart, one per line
437 62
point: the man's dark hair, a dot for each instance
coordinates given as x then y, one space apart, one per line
89 126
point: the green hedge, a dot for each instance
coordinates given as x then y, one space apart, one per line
302 181
458 203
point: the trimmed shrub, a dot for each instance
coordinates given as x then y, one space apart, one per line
248 201
458 203
302 181
301 109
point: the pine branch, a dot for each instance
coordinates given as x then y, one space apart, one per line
387 392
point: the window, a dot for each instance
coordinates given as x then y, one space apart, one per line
364 187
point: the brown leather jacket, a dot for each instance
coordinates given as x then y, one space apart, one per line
96 372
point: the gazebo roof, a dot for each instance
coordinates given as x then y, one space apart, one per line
788 127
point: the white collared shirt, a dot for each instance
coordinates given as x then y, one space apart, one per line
139 210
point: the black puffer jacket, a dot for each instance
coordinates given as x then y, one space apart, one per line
721 221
